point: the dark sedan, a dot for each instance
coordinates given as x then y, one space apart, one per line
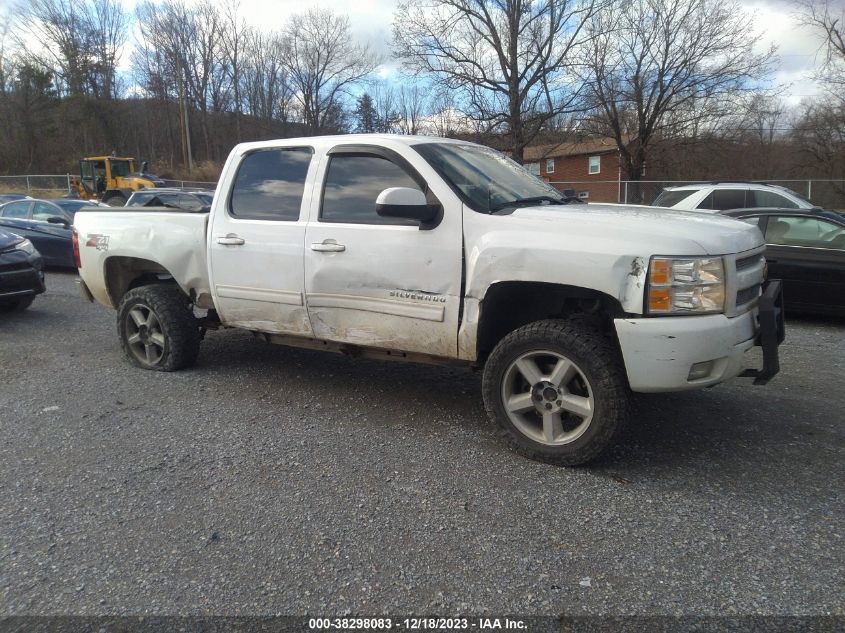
21 277
806 249
46 223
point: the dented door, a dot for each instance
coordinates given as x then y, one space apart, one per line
374 281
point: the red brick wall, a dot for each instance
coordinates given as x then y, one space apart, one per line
575 169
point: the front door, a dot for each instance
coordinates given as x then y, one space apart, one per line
808 254
381 282
256 241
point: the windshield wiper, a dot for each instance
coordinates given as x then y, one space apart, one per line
531 200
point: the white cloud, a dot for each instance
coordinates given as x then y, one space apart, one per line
797 48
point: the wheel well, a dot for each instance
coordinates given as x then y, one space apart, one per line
509 305
124 273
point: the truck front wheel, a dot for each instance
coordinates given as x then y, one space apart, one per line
157 328
557 390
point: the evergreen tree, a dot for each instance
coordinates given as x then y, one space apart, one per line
366 116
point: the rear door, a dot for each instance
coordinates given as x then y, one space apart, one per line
375 281
256 241
53 241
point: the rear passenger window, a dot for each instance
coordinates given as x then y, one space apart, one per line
769 199
728 199
353 183
16 209
269 184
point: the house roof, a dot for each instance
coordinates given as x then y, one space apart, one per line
601 145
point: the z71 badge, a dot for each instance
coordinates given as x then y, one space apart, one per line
100 242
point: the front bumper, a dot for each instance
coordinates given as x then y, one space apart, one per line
690 352
21 275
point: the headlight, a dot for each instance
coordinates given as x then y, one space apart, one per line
25 246
686 285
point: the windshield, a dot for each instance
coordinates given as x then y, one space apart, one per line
486 180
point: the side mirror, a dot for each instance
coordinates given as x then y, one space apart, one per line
54 219
404 202
144 167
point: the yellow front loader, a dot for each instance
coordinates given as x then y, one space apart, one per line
111 179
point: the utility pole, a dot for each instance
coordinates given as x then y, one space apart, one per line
184 124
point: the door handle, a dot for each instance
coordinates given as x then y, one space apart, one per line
230 240
328 246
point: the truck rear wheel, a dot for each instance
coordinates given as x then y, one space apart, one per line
157 328
557 390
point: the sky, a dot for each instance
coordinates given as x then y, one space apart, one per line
371 21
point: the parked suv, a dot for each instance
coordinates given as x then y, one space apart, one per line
721 196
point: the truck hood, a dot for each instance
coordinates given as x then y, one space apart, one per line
714 234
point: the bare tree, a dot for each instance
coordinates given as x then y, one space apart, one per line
81 41
263 78
386 106
827 17
323 62
819 135
234 34
412 107
107 25
506 61
761 119
659 69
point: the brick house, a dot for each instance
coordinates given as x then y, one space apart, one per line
591 167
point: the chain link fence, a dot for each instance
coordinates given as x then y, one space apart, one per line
58 185
825 193
822 192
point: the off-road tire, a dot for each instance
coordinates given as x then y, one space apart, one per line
18 305
116 200
176 323
596 357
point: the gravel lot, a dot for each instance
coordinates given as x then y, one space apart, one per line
273 480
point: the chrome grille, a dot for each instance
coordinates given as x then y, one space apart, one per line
744 279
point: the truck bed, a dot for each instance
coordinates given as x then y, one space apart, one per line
173 238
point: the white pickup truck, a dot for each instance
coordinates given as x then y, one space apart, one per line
434 250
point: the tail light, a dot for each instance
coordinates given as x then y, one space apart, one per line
75 240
